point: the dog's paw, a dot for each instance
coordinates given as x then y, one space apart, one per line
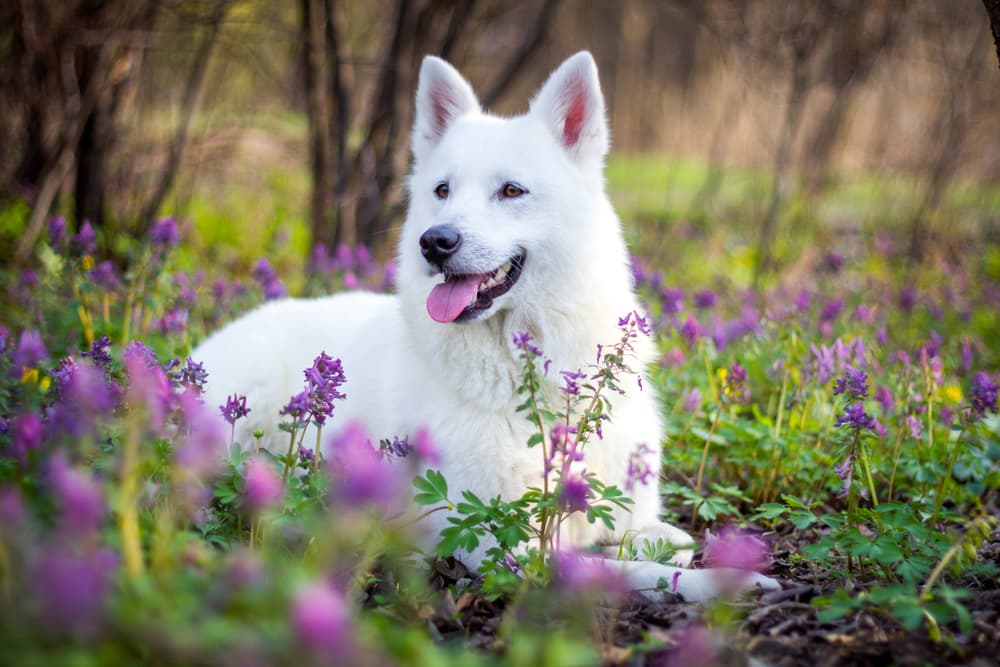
706 585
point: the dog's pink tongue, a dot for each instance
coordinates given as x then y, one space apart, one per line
448 299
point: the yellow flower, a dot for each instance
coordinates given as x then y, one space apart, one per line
29 375
722 374
45 383
88 262
952 393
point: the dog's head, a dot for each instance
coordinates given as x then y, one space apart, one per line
496 204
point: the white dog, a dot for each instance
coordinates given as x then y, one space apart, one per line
509 230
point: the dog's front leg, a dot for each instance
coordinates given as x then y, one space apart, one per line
650 578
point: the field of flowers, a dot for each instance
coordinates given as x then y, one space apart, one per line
835 426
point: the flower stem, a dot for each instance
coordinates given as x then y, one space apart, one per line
704 453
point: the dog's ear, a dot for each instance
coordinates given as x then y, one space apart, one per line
442 96
572 106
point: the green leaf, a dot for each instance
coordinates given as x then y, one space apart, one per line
432 489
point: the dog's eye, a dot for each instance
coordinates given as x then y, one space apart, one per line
511 190
441 191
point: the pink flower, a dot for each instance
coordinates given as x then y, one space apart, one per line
263 487
424 447
360 475
203 443
736 549
692 400
321 619
28 433
576 572
81 504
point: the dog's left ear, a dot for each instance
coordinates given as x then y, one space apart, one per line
442 96
572 106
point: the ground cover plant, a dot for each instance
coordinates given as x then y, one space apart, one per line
835 426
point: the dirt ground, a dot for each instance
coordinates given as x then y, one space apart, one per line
779 629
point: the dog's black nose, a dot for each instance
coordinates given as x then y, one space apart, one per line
439 243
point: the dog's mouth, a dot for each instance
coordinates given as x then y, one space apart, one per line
462 296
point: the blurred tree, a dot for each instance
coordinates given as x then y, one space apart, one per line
358 122
64 66
993 10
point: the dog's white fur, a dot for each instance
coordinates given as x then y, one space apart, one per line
404 370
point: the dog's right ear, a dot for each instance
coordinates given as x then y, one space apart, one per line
442 96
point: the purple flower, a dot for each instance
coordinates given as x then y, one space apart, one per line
138 352
831 309
692 400
360 476
57 232
99 353
635 319
12 512
397 447
106 277
148 386
200 450
574 495
190 376
691 330
983 397
966 356
63 374
424 447
908 298
803 300
641 466
81 504
263 486
85 396
671 300
71 588
845 471
522 341
343 259
235 408
363 261
319 260
736 549
30 350
864 313
693 646
163 234
28 434
883 396
175 321
833 261
298 405
321 619
824 363
577 572
570 378
267 278
306 455
85 241
389 275
734 384
914 425
704 299
854 384
856 418
323 380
